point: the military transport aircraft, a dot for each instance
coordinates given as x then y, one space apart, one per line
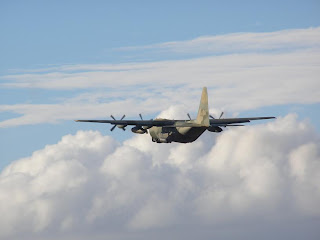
182 131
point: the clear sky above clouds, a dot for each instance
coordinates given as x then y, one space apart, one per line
65 60
38 33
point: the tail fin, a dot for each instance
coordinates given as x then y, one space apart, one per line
203 112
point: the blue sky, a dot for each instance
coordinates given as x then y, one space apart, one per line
38 33
65 60
42 34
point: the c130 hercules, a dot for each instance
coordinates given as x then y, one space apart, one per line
182 131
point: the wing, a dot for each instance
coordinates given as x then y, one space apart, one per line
148 123
177 123
231 121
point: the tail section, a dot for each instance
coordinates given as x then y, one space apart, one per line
203 112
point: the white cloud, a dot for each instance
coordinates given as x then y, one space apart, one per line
90 186
236 81
239 42
215 71
305 165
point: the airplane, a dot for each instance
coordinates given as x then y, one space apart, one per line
181 131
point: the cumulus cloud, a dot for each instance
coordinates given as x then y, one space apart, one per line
262 178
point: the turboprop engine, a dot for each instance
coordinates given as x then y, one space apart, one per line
138 130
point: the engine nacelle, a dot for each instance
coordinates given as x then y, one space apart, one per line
122 126
138 130
214 129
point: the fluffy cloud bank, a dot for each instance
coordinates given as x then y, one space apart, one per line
253 180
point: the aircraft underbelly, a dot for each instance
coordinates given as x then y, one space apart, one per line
170 134
192 135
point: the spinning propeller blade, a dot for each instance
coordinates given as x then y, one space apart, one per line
115 125
113 128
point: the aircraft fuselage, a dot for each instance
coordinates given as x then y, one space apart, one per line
175 134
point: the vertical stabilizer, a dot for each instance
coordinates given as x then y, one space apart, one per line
203 112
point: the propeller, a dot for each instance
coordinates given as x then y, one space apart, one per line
189 116
113 128
219 117
115 125
145 127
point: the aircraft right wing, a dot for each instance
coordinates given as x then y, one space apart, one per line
231 121
148 123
